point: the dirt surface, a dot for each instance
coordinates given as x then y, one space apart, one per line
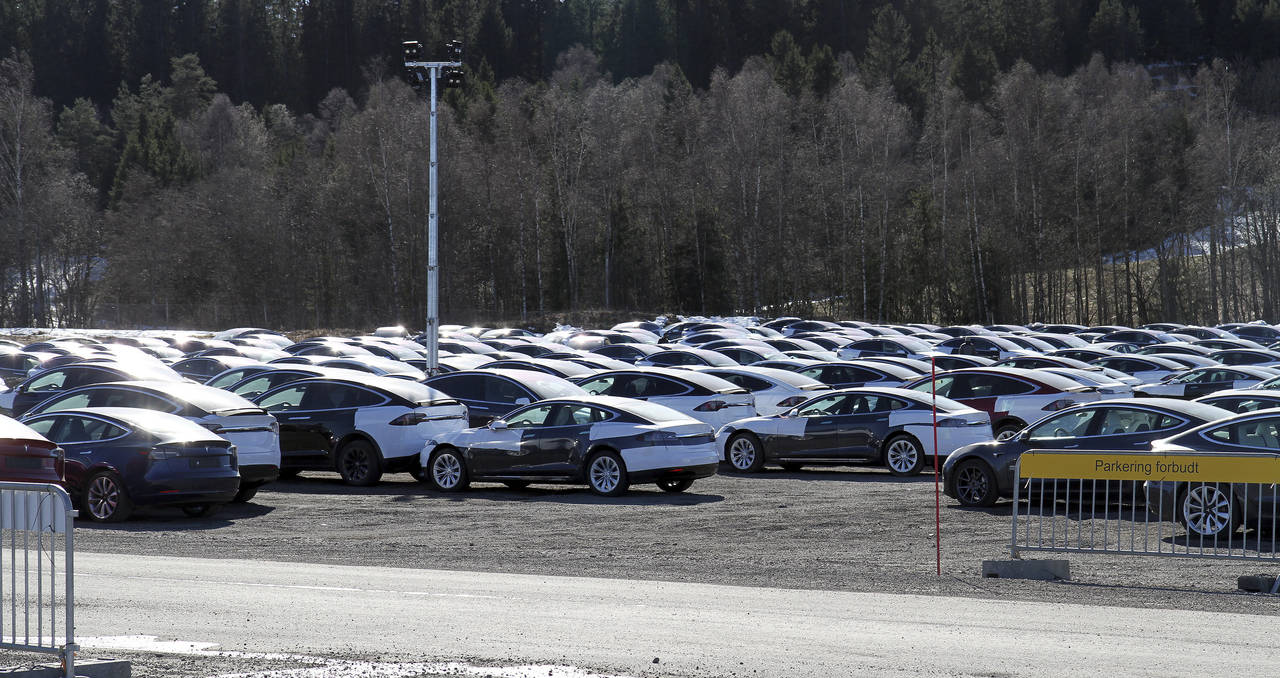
841 529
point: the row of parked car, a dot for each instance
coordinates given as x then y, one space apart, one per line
197 422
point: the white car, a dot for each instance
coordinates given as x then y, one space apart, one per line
1112 388
608 443
1148 369
775 390
890 426
704 397
1013 397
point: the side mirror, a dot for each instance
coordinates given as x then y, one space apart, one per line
1024 436
793 412
498 425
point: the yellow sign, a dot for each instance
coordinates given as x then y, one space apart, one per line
1200 468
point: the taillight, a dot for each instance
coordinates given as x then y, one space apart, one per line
792 401
952 423
275 426
711 406
657 437
162 453
410 419
1059 404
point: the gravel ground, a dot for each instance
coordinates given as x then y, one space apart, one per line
839 529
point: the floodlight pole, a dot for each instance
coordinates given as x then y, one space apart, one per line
433 68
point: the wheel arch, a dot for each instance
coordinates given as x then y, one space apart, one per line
355 436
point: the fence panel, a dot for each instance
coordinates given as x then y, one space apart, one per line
1183 505
37 565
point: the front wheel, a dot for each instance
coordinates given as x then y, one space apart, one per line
745 455
607 474
1208 511
358 464
904 456
975 485
448 471
675 486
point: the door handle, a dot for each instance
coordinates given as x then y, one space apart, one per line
827 421
297 418
1071 446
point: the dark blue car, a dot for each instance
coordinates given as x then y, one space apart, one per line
119 458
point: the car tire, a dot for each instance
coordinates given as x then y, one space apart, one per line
1208 511
791 466
1007 430
675 486
358 464
975 484
607 474
105 499
420 474
516 484
904 456
744 453
200 510
448 471
246 493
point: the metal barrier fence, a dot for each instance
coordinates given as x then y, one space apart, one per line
37 548
1175 505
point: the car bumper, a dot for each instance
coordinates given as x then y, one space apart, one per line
257 474
673 473
665 457
187 491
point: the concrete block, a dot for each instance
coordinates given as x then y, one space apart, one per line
1043 570
1260 583
85 668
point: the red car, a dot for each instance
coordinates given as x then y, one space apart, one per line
27 456
1013 397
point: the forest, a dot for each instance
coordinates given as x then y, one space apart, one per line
212 163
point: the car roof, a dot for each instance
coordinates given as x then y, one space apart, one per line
12 429
207 398
167 427
707 381
404 388
785 376
1188 407
1047 378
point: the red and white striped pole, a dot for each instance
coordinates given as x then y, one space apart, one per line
937 487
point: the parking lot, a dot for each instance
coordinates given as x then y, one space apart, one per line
840 529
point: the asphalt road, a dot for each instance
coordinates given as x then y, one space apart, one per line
622 626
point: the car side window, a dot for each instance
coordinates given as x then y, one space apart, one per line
74 429
114 397
601 385
50 381
1070 425
750 383
283 400
826 406
463 386
650 387
530 417
337 397
1125 420
500 390
944 385
59 403
43 426
1257 433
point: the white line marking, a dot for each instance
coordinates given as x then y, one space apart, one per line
306 587
321 667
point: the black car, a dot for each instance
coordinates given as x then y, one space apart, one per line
628 353
607 443
61 379
119 458
842 374
1243 400
201 369
980 474
1213 511
489 394
360 427
559 368
16 366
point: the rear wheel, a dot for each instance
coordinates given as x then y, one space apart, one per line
607 474
975 484
675 486
745 453
358 464
105 499
448 472
1208 511
904 456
